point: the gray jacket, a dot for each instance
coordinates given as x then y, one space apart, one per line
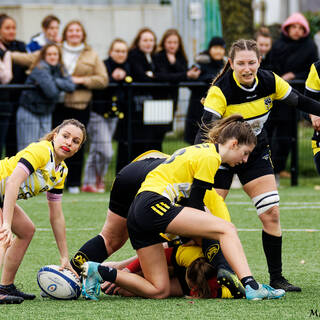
49 82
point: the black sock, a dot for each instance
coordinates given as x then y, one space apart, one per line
250 281
212 252
272 248
107 273
93 250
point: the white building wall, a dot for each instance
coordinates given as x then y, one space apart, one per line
102 23
276 10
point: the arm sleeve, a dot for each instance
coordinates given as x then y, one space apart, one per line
65 84
197 193
303 103
45 82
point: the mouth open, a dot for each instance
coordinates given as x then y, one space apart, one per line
65 148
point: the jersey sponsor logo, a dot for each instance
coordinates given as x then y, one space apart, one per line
252 97
268 103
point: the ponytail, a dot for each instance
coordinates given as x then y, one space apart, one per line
233 126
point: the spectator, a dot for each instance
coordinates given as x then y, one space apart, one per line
5 106
172 66
291 57
9 43
34 115
144 137
50 34
88 72
107 108
264 43
210 62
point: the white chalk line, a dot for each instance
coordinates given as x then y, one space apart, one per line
240 229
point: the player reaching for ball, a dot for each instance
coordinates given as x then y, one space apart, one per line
40 167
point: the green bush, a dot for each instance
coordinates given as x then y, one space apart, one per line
314 21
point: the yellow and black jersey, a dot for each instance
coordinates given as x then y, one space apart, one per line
227 96
38 158
174 177
312 87
313 80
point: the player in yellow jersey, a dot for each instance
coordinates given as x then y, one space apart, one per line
312 90
124 188
188 173
38 168
244 88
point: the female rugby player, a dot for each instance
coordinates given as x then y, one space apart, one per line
38 168
312 90
243 88
188 173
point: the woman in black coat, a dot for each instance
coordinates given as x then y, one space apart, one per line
9 104
291 57
143 135
172 66
210 63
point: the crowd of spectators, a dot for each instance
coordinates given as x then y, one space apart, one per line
71 81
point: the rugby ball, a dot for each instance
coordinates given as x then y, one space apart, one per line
58 284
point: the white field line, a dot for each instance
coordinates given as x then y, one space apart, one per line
240 229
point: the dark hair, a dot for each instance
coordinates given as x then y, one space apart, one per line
47 21
64 32
116 40
198 273
239 45
135 42
233 126
49 136
169 33
42 56
3 18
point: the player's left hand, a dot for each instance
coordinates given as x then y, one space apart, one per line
65 264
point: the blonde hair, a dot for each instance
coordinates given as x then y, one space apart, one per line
65 30
234 126
49 136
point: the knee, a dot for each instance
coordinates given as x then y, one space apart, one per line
267 204
162 293
28 232
113 244
271 216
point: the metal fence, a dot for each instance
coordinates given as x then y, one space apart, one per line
172 131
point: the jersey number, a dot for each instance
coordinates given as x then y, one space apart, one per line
177 153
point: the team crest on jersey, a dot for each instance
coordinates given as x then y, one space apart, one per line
212 251
268 103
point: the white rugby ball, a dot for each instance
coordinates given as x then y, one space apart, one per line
58 284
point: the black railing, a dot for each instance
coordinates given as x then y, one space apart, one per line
129 92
